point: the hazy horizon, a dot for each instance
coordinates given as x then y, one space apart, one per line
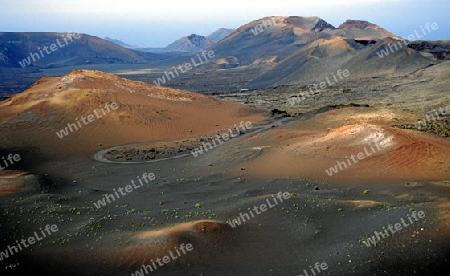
157 25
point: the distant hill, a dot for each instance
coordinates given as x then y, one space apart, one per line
271 39
46 50
270 51
191 44
302 50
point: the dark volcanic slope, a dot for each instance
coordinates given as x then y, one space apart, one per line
68 49
282 50
271 39
322 58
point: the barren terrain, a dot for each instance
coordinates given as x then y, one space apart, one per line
342 177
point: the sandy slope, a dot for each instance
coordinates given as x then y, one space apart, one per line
309 148
145 113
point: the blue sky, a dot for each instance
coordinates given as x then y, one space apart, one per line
157 23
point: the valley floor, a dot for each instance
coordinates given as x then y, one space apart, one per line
341 221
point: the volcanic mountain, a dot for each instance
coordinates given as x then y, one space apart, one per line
280 50
46 50
192 44
122 112
272 39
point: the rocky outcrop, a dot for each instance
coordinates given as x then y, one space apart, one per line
440 50
360 24
322 24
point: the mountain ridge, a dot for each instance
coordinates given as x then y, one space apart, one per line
284 50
